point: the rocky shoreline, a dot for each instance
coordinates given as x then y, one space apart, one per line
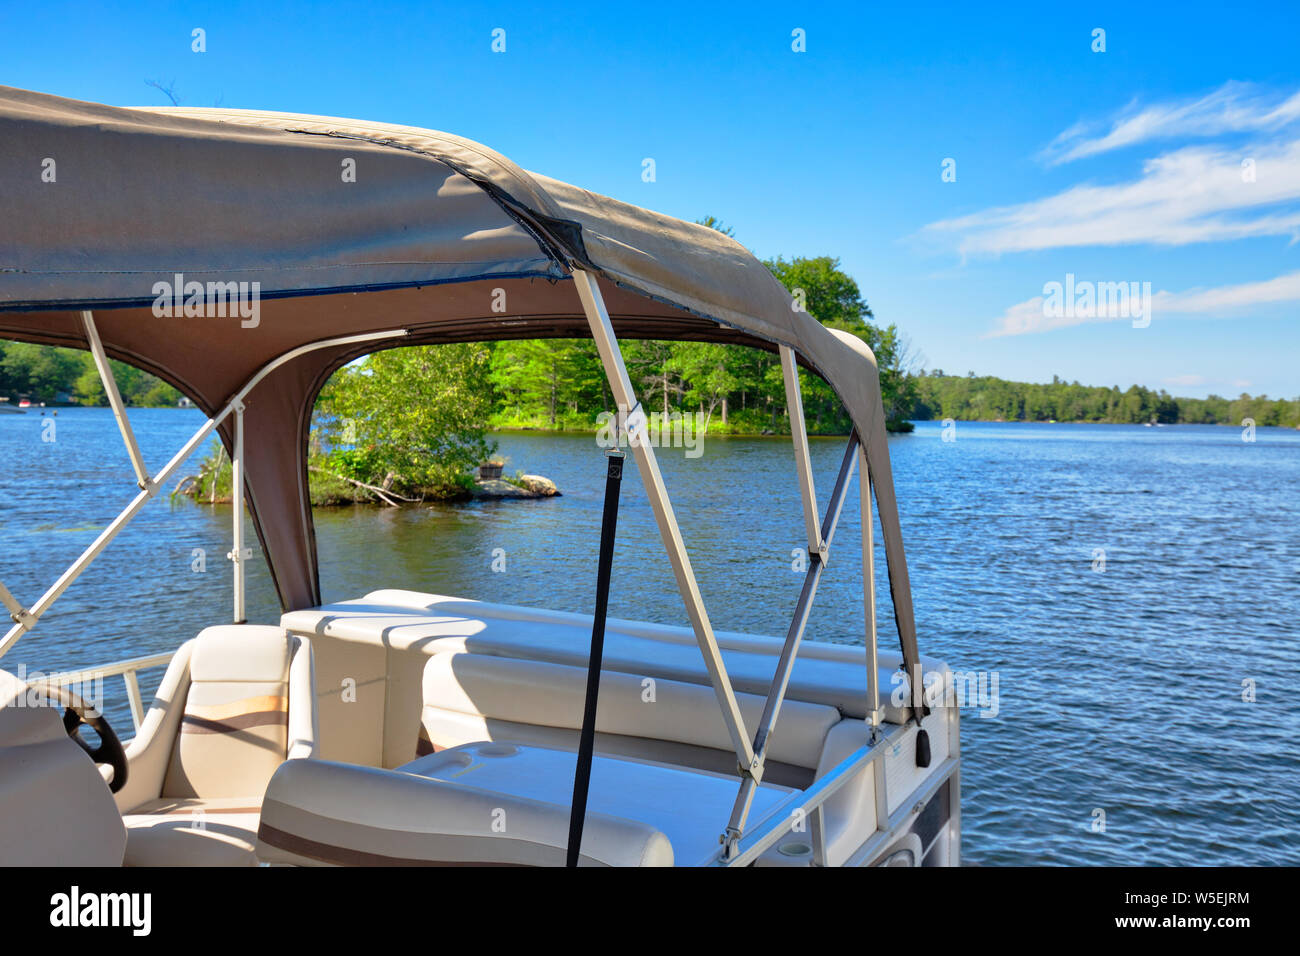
201 489
529 486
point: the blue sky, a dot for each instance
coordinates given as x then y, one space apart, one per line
1114 166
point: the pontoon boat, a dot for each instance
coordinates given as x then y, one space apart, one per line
245 256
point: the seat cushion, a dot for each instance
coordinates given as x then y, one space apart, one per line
321 813
193 832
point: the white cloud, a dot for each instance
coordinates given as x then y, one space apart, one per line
1233 108
1220 302
1227 298
1193 194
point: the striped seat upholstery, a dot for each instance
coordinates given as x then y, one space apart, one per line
235 703
234 730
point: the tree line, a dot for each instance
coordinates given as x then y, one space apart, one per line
559 384
47 374
985 398
736 389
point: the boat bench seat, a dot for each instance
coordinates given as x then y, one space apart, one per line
475 697
410 621
372 653
470 698
404 674
322 813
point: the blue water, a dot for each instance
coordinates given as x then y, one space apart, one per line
1121 582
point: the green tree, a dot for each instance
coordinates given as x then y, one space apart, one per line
707 366
716 225
558 378
832 297
649 365
949 396
409 419
43 371
39 370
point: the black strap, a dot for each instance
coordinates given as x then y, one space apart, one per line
587 740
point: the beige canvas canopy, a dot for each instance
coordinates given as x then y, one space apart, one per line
351 227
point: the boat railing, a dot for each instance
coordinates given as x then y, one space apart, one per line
804 809
127 670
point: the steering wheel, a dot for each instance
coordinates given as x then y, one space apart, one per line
77 712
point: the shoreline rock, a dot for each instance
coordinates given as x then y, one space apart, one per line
534 486
540 485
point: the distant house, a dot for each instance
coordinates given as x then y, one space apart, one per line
184 402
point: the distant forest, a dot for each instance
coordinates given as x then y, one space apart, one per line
558 384
43 373
985 398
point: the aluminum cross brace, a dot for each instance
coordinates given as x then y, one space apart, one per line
115 399
874 716
32 614
602 330
803 460
785 664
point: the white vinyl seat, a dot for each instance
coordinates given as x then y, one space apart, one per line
57 810
235 703
322 813
480 697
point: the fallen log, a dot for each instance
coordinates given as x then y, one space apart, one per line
382 493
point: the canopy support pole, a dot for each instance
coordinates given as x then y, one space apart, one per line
803 459
115 399
24 621
874 717
602 330
17 613
238 552
785 664
108 534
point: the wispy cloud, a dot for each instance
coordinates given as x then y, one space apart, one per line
1030 316
1233 108
1193 194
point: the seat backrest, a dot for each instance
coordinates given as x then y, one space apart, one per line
469 697
234 730
57 810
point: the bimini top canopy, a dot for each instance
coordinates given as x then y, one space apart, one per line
347 228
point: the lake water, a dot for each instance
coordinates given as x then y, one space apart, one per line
1125 584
